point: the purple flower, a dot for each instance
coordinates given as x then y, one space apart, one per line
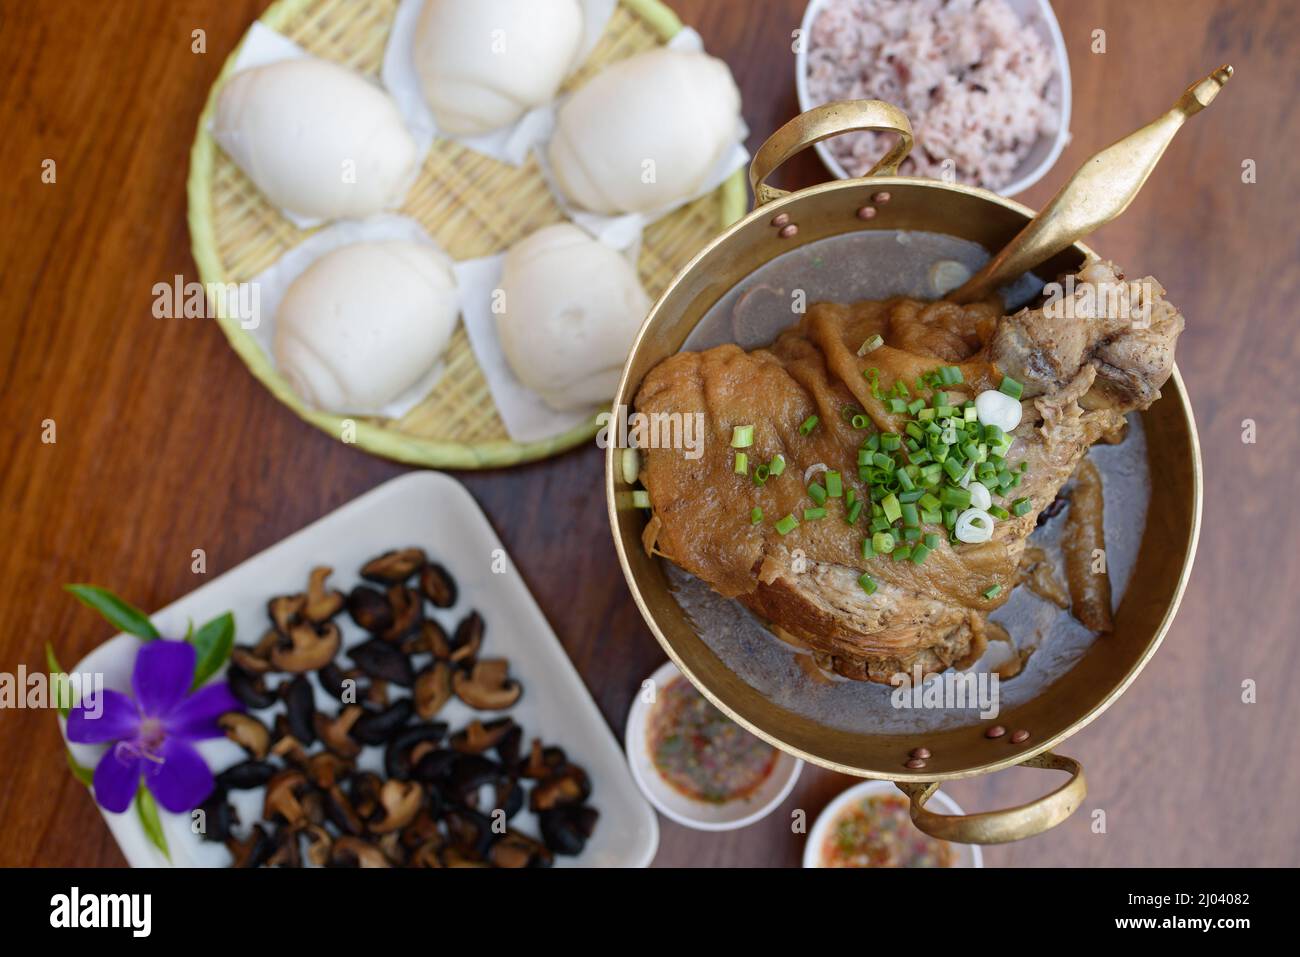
150 736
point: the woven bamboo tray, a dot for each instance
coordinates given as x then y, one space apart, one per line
471 205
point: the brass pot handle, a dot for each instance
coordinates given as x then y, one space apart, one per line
832 119
1011 824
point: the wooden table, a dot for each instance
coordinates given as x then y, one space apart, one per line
166 444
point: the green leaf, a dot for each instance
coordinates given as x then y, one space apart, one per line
212 642
118 613
83 774
146 808
56 675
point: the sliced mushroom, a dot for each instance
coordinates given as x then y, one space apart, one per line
438 585
400 801
253 659
477 737
337 732
377 727
249 688
247 732
567 786
364 790
468 639
322 604
338 683
487 687
566 829
351 851
286 746
469 832
395 567
281 802
542 762
377 693
508 746
516 850
434 766
310 648
254 850
370 609
284 611
245 776
340 811
431 639
319 845
325 769
427 854
432 689
218 816
402 752
379 659
300 709
470 774
408 611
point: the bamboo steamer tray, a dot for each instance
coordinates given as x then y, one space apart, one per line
470 204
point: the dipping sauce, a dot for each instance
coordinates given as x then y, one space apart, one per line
701 752
878 832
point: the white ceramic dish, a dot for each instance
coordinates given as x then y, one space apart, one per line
435 512
968 855
675 805
1035 13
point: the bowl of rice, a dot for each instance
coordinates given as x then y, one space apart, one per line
986 84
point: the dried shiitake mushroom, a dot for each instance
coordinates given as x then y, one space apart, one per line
468 639
370 609
218 816
245 776
254 850
319 845
429 639
336 733
401 801
408 746
477 737
487 686
353 852
249 688
432 689
395 567
282 798
247 732
566 829
300 709
284 611
438 585
310 648
376 727
379 659
408 612
513 849
569 785
322 604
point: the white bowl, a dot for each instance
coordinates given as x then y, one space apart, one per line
672 803
968 855
1039 16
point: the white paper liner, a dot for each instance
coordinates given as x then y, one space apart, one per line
526 416
510 144
263 46
621 232
274 282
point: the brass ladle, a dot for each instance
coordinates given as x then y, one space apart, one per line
1101 189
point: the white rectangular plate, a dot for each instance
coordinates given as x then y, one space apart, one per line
436 513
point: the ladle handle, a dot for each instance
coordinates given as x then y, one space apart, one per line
1010 824
832 119
1101 189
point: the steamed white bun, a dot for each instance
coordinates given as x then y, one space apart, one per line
483 64
572 309
645 133
364 323
318 139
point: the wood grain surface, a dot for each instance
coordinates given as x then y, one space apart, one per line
166 444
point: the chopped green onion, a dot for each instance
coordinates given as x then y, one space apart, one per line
808 424
955 497
920 553
882 543
813 514
1011 387
890 442
910 516
834 485
777 466
902 552
868 584
998 512
817 493
742 464
854 511
932 516
755 515
870 344
1021 506
787 525
931 541
893 511
992 592
860 422
761 472
742 436
640 498
850 496
867 550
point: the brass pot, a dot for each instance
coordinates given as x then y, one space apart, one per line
1165 556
